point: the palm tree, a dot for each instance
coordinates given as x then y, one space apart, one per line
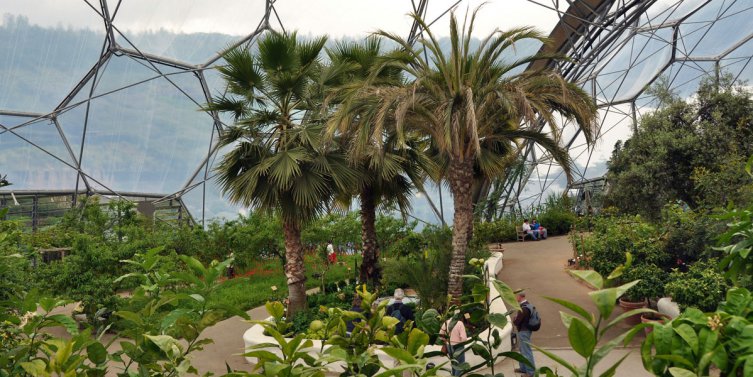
279 162
391 170
476 107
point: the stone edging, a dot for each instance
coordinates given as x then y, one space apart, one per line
255 334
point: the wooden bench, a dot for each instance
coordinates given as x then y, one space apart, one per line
521 233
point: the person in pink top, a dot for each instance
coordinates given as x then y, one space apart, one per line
457 335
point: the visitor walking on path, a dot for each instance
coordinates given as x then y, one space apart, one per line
524 335
454 339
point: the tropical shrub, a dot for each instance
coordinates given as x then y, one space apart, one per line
613 237
557 221
694 342
484 233
702 287
650 285
586 331
687 150
737 241
688 233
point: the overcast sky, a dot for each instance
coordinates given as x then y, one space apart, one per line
239 17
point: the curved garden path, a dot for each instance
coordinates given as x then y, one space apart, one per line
540 268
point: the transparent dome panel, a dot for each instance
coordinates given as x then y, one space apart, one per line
43 134
636 64
147 137
674 10
684 76
190 31
124 72
665 11
716 27
39 66
738 61
30 167
341 18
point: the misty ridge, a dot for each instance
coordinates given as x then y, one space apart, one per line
148 137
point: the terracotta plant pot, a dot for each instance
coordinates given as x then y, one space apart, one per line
652 318
631 305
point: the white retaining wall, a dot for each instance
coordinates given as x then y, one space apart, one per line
255 335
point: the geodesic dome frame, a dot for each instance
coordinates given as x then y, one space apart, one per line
618 49
104 137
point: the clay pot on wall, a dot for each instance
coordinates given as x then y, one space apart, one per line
631 305
652 318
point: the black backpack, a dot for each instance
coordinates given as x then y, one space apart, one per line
534 320
396 313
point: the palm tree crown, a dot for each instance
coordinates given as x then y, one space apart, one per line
279 160
475 107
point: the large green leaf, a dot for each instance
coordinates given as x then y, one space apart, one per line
557 359
604 300
613 369
166 343
589 276
574 307
507 294
689 336
497 319
582 337
681 372
400 354
96 353
416 340
275 309
66 321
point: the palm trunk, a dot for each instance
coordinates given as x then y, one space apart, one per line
294 268
370 272
460 176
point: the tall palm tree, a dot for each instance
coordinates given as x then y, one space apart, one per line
279 161
477 105
391 170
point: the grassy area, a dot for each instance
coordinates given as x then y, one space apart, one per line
254 286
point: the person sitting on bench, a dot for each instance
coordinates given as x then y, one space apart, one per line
538 230
528 231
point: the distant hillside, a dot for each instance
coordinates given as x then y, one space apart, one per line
144 134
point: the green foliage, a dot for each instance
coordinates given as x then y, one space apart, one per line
737 241
587 331
557 215
692 151
502 230
411 244
651 280
688 233
613 237
702 287
87 275
694 342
